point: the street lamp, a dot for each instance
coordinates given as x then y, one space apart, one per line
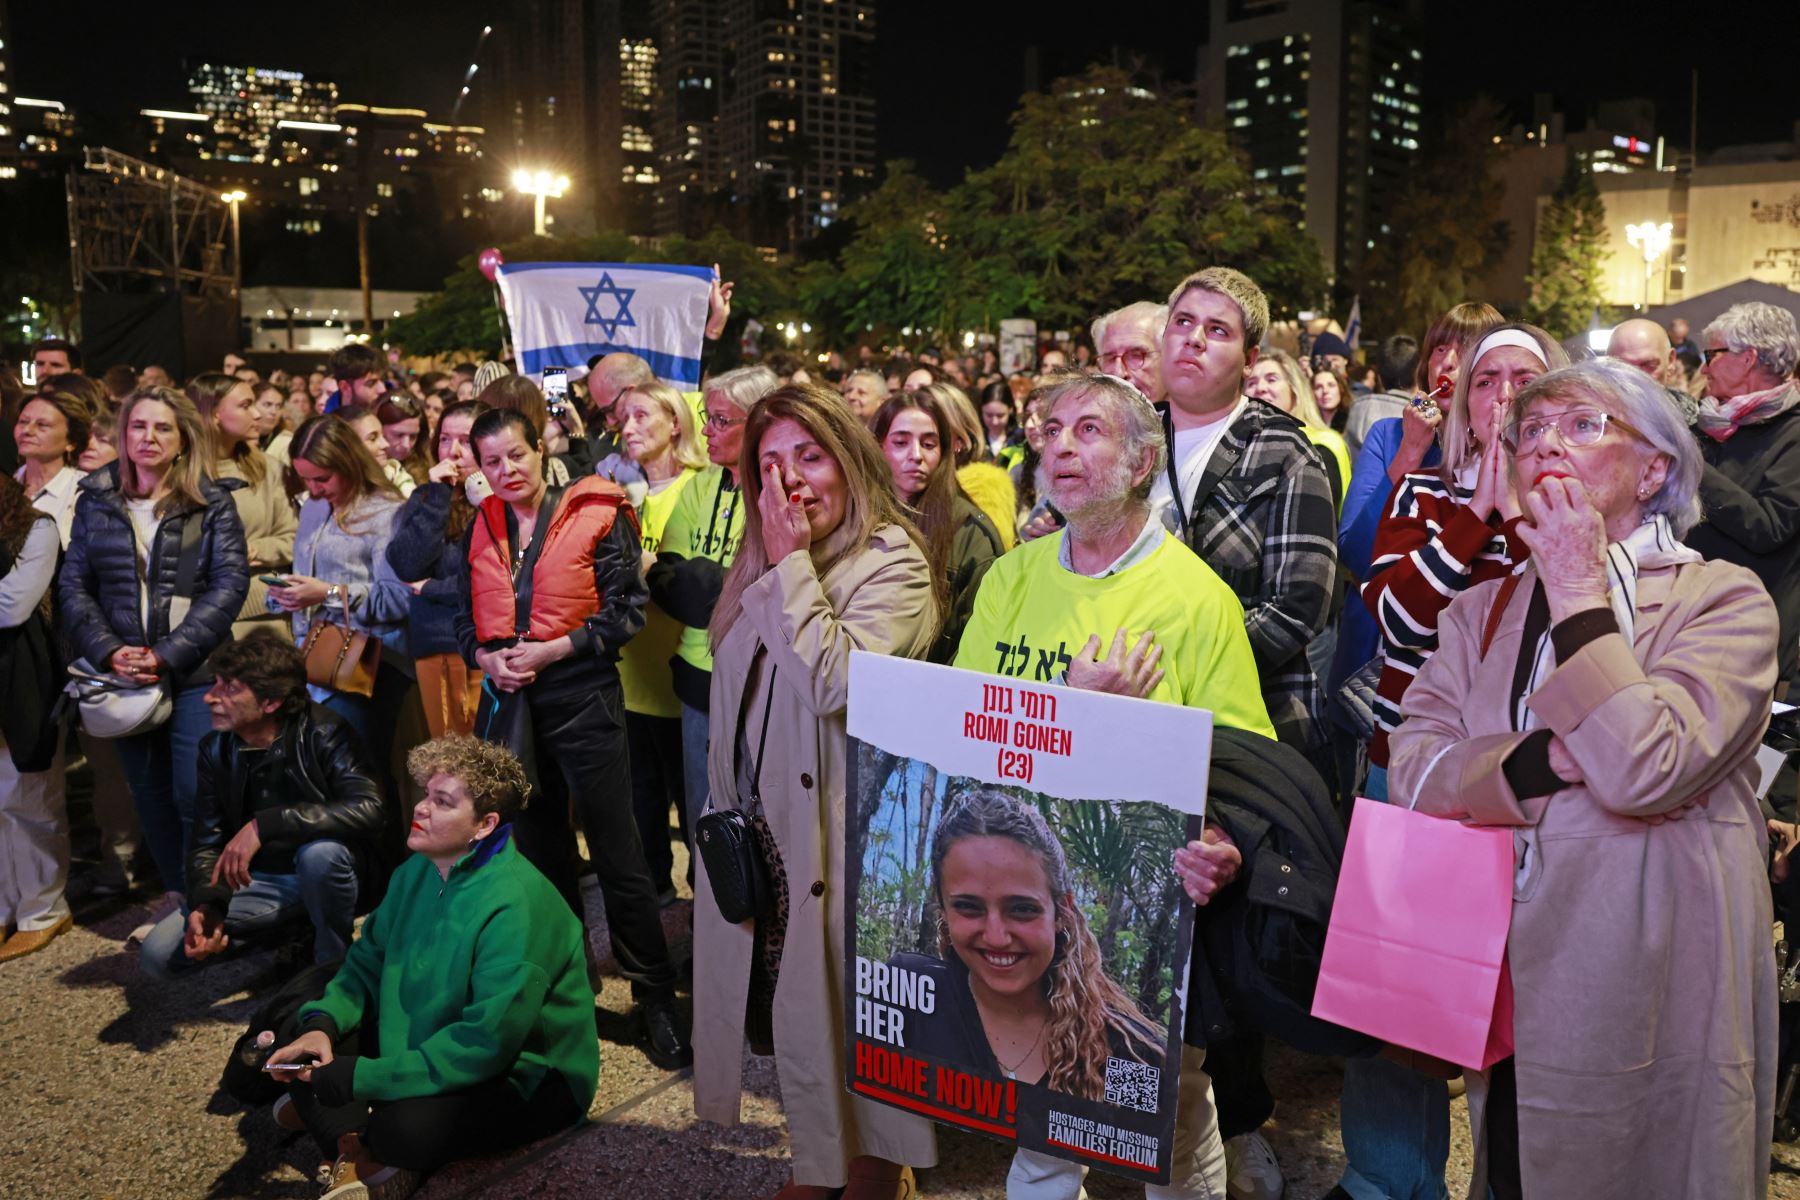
1652 239
542 185
234 198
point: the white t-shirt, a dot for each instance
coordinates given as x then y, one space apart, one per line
143 525
1192 450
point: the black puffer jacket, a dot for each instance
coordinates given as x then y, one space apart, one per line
98 587
334 796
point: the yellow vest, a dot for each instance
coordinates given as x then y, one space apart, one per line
644 661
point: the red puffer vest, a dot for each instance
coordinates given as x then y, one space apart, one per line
563 593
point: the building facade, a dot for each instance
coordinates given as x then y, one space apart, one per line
766 118
1326 97
246 105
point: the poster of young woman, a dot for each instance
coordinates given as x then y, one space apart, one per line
1020 940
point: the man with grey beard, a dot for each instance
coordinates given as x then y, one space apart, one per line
1066 608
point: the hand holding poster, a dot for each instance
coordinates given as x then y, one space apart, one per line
1021 940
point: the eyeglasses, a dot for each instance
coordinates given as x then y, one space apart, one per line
1577 427
715 421
1132 360
1712 352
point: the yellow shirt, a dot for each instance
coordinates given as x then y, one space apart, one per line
644 662
1033 615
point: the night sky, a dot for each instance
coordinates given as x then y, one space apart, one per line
950 71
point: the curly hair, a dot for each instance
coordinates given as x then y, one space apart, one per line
1085 1004
495 781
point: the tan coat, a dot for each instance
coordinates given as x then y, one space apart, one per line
269 526
805 628
1641 954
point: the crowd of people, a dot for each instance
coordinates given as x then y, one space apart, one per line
358 645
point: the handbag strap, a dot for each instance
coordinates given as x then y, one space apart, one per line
1502 598
762 742
523 585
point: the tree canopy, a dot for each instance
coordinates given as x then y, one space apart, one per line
1106 194
1569 254
1448 234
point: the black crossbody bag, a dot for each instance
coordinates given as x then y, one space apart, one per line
730 846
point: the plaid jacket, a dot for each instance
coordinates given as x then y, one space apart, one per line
1262 517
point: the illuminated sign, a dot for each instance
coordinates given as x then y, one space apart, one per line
1631 144
284 76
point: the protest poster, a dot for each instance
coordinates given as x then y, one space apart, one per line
1019 939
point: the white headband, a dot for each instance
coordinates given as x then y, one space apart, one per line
1509 337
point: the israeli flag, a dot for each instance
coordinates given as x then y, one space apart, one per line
562 314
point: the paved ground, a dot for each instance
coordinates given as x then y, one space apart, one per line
108 1089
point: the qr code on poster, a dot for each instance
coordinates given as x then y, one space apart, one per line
1132 1084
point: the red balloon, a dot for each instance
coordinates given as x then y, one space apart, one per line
490 260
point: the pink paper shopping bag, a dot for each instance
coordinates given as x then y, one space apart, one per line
1416 952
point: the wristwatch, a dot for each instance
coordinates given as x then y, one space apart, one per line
332 592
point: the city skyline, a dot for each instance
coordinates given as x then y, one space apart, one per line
948 75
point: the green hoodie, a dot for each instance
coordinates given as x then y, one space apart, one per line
469 978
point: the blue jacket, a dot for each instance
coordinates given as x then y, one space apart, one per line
1359 639
419 550
98 587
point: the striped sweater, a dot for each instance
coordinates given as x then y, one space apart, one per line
1429 549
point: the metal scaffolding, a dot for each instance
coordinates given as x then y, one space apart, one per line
131 223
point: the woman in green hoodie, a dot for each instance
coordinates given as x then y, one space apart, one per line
461 1021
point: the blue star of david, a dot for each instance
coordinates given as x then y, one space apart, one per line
606 287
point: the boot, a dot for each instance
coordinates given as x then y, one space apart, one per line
878 1179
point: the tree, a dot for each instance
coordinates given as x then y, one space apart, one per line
1448 234
1569 254
1108 193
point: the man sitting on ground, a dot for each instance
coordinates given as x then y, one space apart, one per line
284 809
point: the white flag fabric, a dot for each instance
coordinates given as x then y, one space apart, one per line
1353 331
562 314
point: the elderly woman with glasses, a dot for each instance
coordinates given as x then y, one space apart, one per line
1606 704
1750 438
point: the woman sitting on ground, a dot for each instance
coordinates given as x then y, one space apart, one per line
462 1021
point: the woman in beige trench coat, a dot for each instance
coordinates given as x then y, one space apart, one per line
1613 721
827 565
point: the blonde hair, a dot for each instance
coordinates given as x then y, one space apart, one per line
869 504
1086 1006
1456 437
685 444
187 475
1299 384
965 422
495 781
1236 287
206 391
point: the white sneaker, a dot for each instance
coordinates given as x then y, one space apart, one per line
1251 1171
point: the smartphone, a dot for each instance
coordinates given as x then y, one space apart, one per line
275 581
290 1068
556 385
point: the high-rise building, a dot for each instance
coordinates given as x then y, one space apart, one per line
798 119
9 165
1326 98
684 133
768 106
569 86
246 104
